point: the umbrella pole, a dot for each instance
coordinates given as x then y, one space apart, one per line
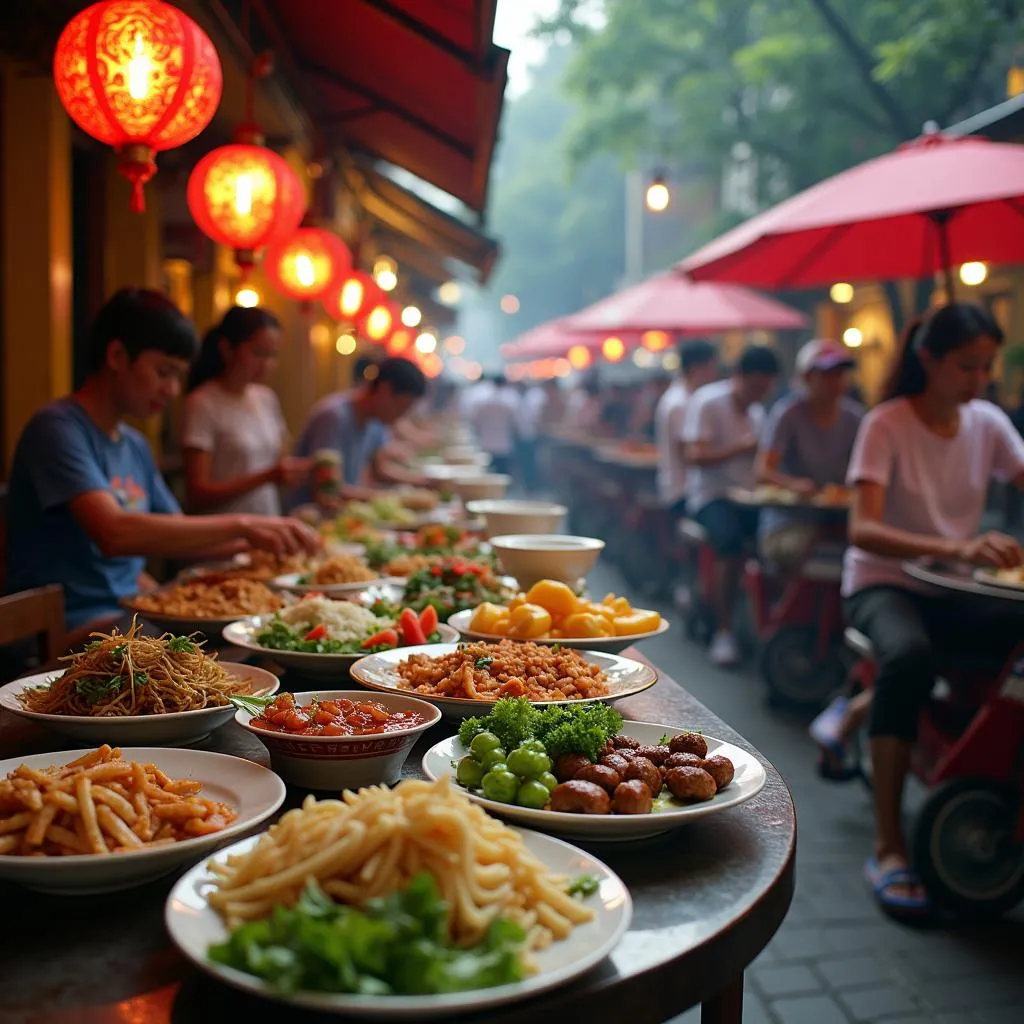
941 221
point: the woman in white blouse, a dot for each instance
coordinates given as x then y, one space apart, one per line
235 437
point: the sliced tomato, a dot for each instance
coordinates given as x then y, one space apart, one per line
316 633
385 638
428 620
409 625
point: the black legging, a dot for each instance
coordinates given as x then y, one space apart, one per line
910 632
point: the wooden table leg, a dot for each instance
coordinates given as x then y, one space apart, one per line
726 1007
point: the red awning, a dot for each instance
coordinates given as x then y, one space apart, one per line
418 85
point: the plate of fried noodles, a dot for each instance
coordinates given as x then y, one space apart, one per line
128 688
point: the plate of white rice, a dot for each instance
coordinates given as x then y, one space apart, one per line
339 628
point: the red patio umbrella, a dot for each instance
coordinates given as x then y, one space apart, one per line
674 304
544 340
927 206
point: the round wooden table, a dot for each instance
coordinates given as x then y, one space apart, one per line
707 899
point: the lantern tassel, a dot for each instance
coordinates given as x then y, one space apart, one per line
138 200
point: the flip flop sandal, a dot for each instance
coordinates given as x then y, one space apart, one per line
837 763
898 907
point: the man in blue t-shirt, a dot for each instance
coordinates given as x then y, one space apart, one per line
86 503
355 425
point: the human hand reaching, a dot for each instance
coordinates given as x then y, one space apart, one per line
992 549
282 535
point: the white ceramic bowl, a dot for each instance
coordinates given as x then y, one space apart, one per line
445 472
251 790
171 730
606 644
481 485
466 455
509 516
534 557
344 762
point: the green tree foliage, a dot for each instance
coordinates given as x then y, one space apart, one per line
561 231
810 86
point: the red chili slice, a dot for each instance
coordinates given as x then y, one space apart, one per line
316 633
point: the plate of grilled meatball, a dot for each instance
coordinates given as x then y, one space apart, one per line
646 780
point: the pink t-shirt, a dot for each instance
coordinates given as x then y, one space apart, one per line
934 486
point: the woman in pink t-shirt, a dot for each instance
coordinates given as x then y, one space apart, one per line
920 468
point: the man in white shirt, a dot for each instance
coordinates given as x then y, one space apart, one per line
698 365
494 420
721 428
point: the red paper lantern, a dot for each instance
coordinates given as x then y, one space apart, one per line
139 75
379 322
306 264
247 197
352 296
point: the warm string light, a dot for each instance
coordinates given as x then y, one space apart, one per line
613 349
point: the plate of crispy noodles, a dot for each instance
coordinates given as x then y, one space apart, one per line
100 820
466 679
458 911
334 577
205 604
131 688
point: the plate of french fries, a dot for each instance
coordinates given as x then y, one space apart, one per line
109 818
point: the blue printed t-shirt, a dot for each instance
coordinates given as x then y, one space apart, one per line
808 451
62 454
333 425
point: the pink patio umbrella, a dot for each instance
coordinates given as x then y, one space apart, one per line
669 303
925 207
543 340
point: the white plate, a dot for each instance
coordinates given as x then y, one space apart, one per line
605 644
749 780
194 927
624 677
243 633
175 729
290 582
991 578
254 792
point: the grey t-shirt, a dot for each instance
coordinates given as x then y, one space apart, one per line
808 451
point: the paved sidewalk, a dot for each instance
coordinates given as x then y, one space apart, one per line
836 960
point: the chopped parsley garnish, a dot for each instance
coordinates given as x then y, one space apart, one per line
583 885
483 662
181 645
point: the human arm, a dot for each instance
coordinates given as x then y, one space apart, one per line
387 467
120 533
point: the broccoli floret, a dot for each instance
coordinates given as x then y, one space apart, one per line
577 728
513 720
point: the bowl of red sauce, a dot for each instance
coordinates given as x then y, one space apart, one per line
339 739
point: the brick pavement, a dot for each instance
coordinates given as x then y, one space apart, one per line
836 960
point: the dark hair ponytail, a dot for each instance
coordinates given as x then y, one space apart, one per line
239 324
940 332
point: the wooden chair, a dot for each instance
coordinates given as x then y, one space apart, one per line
35 615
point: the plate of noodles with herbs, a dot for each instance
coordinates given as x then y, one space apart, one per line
129 688
467 678
204 604
398 903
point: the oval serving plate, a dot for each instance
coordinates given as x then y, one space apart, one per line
194 926
177 728
624 677
748 782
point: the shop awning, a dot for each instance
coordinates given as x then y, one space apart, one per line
418 85
443 235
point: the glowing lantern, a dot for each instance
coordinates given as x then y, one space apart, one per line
655 341
352 296
401 341
432 364
579 357
247 197
613 349
140 76
378 323
307 263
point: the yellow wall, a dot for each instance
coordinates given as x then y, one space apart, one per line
36 247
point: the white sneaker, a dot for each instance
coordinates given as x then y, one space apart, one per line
723 650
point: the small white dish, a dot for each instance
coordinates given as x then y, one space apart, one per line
605 644
531 558
175 729
747 783
623 676
506 516
194 926
481 485
254 792
243 634
290 582
344 762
